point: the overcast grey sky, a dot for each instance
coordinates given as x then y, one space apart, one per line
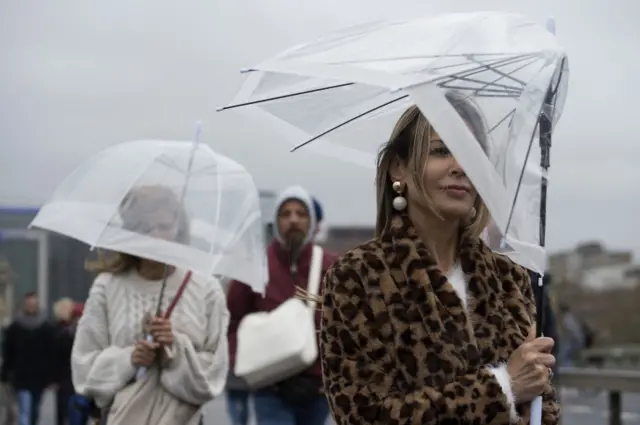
78 76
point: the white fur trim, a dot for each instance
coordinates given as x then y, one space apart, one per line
502 376
458 280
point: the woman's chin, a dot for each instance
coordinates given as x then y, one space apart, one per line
455 212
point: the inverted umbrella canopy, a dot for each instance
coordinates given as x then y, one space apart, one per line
341 95
127 199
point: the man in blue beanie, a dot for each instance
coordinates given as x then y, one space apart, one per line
317 207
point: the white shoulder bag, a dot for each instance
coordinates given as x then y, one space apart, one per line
280 344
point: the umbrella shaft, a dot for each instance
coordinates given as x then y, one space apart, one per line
162 290
545 163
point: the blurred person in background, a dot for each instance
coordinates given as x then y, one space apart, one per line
572 337
298 400
317 208
67 313
82 409
237 396
237 392
61 356
26 365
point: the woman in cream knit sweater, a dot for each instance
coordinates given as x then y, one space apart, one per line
186 363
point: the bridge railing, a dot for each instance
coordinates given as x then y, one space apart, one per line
613 357
614 382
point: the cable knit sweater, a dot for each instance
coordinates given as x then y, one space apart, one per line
112 322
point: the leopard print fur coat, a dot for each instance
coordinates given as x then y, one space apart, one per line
399 348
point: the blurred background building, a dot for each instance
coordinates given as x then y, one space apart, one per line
602 287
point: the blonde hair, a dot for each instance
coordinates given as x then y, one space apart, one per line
410 144
112 262
138 204
63 309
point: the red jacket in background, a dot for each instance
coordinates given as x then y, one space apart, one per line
241 300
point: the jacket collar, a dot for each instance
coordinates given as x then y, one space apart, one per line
420 281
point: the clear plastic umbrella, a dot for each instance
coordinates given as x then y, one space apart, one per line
178 203
341 94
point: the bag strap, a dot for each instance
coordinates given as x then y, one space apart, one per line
315 274
175 300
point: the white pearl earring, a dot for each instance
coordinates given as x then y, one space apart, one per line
399 202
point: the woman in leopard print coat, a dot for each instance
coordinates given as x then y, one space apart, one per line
424 325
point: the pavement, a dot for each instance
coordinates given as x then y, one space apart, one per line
578 409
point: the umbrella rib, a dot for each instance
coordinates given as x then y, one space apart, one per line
483 91
502 95
466 74
498 61
480 69
476 70
285 96
520 90
485 84
497 71
170 163
478 90
520 178
499 95
350 120
342 124
510 114
412 57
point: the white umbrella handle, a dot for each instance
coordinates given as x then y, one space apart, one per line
536 404
536 411
142 370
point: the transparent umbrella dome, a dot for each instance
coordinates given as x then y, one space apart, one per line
341 95
174 202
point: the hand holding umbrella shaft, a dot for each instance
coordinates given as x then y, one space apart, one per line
161 330
160 333
144 355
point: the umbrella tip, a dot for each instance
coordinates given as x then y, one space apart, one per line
198 131
551 25
246 70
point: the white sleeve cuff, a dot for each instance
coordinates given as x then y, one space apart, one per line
503 378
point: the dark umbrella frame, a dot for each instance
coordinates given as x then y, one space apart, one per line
545 122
